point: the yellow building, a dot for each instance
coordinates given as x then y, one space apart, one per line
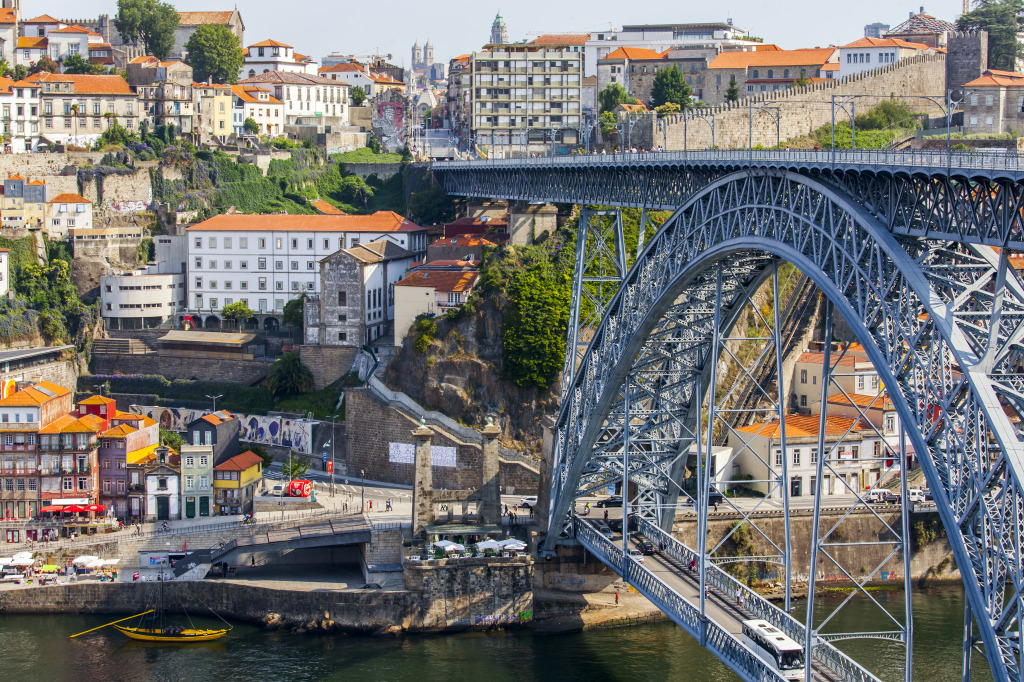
235 482
23 203
214 105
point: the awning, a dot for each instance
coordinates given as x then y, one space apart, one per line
95 508
74 509
49 568
82 560
51 508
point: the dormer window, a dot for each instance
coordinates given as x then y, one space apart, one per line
275 52
259 51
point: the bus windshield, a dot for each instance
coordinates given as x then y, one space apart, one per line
791 660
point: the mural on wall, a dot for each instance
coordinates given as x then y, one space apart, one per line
405 453
389 124
279 431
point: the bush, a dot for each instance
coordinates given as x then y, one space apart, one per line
425 331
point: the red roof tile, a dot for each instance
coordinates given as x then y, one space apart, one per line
240 462
440 280
381 221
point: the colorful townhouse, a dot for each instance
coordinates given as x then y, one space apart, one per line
131 437
197 480
236 481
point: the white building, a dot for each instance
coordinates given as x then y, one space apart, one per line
71 40
429 292
8 33
271 55
5 273
356 74
661 37
304 95
250 101
140 299
67 211
870 53
267 260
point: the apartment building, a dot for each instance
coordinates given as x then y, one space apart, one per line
197 480
165 93
213 106
267 260
255 102
357 74
524 97
66 212
272 55
23 203
303 94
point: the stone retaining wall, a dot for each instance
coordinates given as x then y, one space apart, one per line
382 170
246 372
327 363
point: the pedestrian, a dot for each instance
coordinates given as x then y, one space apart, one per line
606 516
616 597
531 512
371 505
252 560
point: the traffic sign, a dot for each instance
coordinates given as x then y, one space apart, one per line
330 467
325 458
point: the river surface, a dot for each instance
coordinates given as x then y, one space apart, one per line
37 648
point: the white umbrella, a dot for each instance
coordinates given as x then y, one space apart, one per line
512 542
111 562
23 562
488 544
95 563
5 560
84 560
443 545
23 555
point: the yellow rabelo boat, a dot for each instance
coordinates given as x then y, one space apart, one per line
153 626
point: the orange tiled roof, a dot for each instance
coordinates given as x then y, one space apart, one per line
14 176
72 424
242 92
197 18
42 19
5 87
240 462
634 53
34 395
96 400
996 79
875 402
36 182
85 85
8 16
28 42
463 240
326 208
344 67
218 417
885 42
69 198
73 28
798 425
440 280
819 358
632 107
562 39
381 221
831 66
270 43
119 431
741 60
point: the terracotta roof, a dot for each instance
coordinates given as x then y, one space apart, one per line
996 79
34 395
243 93
96 400
197 18
270 43
798 425
5 87
218 417
875 402
741 60
884 42
288 77
86 85
831 66
36 182
377 251
633 53
325 208
445 264
28 42
819 359
381 221
43 19
562 39
119 431
344 67
922 23
72 424
240 462
68 198
502 222
73 28
14 176
440 280
632 107
99 46
8 16
463 240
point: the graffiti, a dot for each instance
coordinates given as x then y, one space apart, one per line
499 619
565 580
405 453
389 124
280 431
129 206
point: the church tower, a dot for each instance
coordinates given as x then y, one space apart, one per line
499 32
417 55
428 54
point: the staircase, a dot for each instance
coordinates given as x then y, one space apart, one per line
119 346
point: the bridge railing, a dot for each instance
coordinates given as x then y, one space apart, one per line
759 607
716 638
918 158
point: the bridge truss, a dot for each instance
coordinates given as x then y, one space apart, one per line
901 255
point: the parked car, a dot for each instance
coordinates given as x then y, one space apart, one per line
604 529
878 496
916 495
277 490
613 501
528 502
636 555
648 547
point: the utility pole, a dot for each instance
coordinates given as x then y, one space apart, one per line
362 491
334 437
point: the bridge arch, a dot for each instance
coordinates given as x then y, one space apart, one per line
902 300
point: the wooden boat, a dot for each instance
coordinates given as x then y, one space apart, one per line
171 633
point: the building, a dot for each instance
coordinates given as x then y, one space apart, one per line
76 108
305 95
764 70
5 273
255 102
9 18
429 292
188 22
69 458
165 93
461 248
995 103
851 444
636 68
499 31
523 95
130 438
140 299
875 30
219 430
197 480
214 105
23 203
155 486
494 228
271 55
356 304
235 483
922 28
72 40
267 260
356 74
866 54
67 212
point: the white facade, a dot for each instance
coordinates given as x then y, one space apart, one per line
66 211
871 53
163 484
258 104
5 272
303 94
661 38
271 55
139 299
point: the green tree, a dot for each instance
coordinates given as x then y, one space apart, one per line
5 68
128 20
358 96
251 126
171 439
295 466
293 309
77 64
1003 20
533 340
288 376
237 312
732 94
670 86
44 64
668 108
213 51
612 96
148 21
267 458
20 73
432 205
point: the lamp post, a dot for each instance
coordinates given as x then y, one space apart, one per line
214 399
706 116
362 491
774 112
334 436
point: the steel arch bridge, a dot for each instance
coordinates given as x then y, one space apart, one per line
900 244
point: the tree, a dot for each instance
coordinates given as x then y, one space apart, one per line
213 51
292 314
76 64
148 21
1003 21
668 108
533 340
295 466
20 73
44 64
670 86
612 96
238 312
171 439
288 376
251 126
5 68
358 96
733 93
267 458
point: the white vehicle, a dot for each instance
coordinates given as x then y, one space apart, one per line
528 502
277 490
915 495
636 555
773 647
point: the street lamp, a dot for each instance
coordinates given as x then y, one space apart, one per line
214 399
362 491
334 437
774 112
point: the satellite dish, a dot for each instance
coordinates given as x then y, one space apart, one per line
956 96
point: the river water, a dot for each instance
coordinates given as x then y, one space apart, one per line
37 648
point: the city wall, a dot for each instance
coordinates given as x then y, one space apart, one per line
247 372
327 363
801 109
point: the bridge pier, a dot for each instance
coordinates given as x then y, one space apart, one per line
423 485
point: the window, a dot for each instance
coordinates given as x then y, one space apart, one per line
295 265
890 423
279 265
796 456
263 243
860 383
814 455
262 263
309 265
803 376
342 298
204 461
190 462
342 336
803 400
778 457
190 482
243 242
161 483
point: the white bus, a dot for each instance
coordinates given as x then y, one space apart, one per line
774 648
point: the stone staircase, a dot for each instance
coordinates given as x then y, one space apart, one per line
119 346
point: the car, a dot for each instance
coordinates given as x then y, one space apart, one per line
615 525
604 529
647 547
915 495
613 501
878 496
715 499
528 502
636 555
927 494
276 490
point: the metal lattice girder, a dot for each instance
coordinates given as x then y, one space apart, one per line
913 331
957 197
